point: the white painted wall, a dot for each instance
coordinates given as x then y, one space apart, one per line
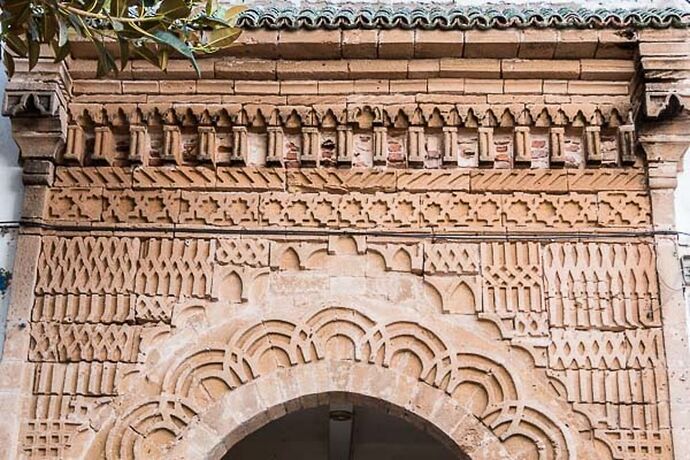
10 204
683 201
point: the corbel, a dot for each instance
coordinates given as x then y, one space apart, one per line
139 145
172 144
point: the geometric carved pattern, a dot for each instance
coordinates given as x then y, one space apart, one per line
614 356
631 349
202 375
112 178
176 267
84 308
603 285
87 265
243 251
624 209
551 211
451 258
512 278
218 208
84 342
83 378
442 210
125 206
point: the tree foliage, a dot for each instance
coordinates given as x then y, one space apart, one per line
118 29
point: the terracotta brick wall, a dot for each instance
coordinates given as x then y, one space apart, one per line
477 240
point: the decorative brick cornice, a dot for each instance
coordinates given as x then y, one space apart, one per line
450 17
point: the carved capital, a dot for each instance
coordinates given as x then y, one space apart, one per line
37 111
665 104
665 142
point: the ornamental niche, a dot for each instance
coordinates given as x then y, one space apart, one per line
464 215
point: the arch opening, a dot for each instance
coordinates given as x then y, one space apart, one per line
346 426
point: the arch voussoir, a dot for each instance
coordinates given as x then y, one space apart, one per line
248 408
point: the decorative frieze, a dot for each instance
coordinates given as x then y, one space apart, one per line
441 210
361 136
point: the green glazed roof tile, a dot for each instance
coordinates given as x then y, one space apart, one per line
458 18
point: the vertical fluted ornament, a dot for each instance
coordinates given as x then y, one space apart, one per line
76 144
138 144
310 143
103 148
557 143
380 144
522 144
274 144
450 144
626 143
240 149
486 143
593 143
207 144
345 143
172 144
417 145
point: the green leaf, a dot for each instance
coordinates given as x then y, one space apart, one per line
174 9
34 51
147 54
61 52
124 52
118 7
106 62
9 62
16 44
166 38
163 56
62 30
77 24
222 38
210 21
233 11
210 6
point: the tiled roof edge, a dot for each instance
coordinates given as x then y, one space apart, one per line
459 18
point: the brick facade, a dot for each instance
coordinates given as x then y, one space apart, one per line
472 227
